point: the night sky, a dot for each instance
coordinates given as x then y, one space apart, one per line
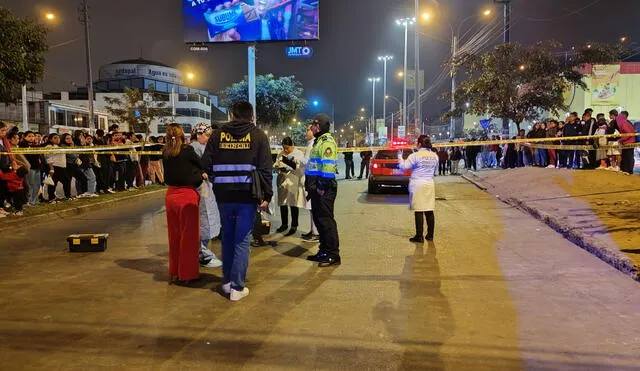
353 33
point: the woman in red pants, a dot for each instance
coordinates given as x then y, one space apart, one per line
183 174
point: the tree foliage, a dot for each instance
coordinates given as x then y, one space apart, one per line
521 83
278 100
137 108
22 50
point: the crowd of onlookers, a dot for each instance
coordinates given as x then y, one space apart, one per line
514 155
27 180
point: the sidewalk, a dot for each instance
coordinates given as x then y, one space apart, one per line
595 209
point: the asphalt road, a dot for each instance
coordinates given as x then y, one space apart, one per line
496 290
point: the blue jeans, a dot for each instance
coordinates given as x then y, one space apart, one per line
237 227
33 178
91 180
541 157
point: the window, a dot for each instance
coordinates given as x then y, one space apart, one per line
183 97
183 112
162 128
161 86
149 84
160 97
113 86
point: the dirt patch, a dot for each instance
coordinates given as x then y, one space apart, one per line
598 210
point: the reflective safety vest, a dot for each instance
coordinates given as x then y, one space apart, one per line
323 162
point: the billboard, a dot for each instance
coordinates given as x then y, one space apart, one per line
220 21
606 85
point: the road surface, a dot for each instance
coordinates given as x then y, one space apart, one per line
496 290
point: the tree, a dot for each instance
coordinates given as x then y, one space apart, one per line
22 50
522 83
278 100
137 108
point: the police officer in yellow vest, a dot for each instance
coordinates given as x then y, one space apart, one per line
322 188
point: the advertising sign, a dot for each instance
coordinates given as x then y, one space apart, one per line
120 71
605 85
402 131
221 21
411 79
299 51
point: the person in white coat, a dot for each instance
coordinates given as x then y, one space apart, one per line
209 213
422 190
291 192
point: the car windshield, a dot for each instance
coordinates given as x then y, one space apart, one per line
392 155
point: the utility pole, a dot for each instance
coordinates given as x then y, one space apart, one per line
507 39
416 32
85 20
454 52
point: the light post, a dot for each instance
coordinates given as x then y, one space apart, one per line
384 60
399 104
405 22
373 81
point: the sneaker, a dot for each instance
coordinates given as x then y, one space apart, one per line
226 288
91 195
239 295
111 191
551 167
306 236
3 212
313 238
18 213
213 263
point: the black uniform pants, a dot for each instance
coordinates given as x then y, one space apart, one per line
431 223
364 165
119 173
284 215
350 169
322 211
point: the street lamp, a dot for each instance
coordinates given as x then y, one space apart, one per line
373 81
384 60
399 104
405 22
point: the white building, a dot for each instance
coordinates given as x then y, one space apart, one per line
184 105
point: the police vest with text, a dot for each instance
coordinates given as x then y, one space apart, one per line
323 162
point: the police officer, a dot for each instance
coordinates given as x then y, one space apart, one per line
238 161
322 189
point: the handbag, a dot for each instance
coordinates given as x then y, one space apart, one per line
256 186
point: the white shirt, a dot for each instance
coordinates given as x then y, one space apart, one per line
422 164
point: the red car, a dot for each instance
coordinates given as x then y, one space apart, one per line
386 172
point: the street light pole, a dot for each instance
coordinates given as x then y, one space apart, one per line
454 52
384 60
405 22
373 81
84 19
418 112
507 39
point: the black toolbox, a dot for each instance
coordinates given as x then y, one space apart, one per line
88 242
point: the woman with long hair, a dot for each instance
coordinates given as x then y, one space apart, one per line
422 190
183 175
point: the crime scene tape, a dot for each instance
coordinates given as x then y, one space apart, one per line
530 142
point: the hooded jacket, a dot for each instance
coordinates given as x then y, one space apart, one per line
235 153
625 127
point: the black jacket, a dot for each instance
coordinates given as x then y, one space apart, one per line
184 170
236 155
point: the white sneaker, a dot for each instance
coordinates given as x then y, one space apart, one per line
227 288
91 195
111 191
551 167
213 263
18 213
239 295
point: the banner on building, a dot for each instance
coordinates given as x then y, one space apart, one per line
605 80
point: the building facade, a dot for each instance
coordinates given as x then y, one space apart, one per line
166 88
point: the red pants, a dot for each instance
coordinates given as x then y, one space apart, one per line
552 157
183 223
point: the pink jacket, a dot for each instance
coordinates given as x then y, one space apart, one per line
625 127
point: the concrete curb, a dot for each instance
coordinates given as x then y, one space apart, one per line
7 223
474 182
616 259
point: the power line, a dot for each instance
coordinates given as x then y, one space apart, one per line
569 14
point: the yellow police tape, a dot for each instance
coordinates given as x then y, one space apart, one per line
530 142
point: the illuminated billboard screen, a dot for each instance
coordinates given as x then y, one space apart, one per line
219 21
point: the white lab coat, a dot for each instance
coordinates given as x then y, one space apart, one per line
422 189
290 182
209 213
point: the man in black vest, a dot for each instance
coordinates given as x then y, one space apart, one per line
238 162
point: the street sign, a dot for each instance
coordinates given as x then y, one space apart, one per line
299 51
402 131
411 79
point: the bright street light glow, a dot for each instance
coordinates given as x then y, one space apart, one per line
385 58
374 79
623 39
50 16
405 21
426 16
522 67
315 103
487 12
191 76
362 109
400 74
